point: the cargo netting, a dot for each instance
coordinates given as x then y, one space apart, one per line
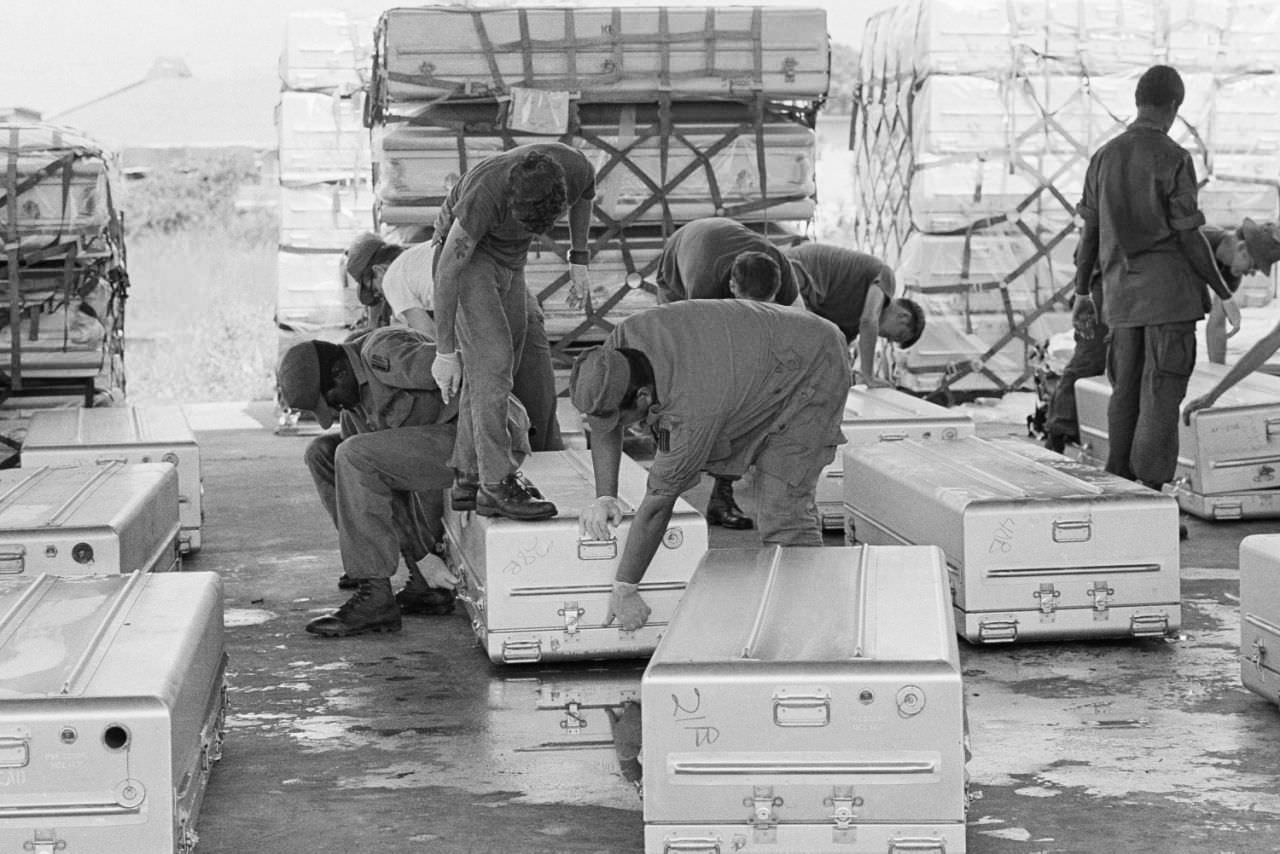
63 265
974 123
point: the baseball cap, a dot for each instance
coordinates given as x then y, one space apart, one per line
361 252
303 376
597 385
1263 241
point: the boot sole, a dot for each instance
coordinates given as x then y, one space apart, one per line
494 511
364 630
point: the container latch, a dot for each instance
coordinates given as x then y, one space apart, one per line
843 802
1048 597
45 842
763 821
1101 593
571 613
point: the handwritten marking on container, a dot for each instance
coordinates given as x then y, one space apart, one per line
686 710
528 555
1002 541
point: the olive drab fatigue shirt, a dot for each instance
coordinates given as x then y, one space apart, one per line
393 367
834 282
727 374
1140 191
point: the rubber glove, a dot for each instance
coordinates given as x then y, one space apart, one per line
595 519
446 370
436 572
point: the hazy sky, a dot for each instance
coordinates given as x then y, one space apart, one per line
60 53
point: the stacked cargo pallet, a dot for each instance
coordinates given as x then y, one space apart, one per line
62 268
974 127
686 112
325 194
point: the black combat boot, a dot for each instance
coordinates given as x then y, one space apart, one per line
513 497
722 510
346 582
420 598
372 608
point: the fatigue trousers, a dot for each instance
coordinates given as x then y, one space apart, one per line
1149 367
787 466
490 330
534 383
1088 360
384 491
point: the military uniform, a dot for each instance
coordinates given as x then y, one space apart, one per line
1139 193
834 282
393 446
492 299
697 258
741 383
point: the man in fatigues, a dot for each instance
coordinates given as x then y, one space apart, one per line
382 478
1142 227
1236 252
484 230
723 385
853 290
402 277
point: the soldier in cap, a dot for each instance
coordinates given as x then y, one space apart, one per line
853 290
1261 243
382 477
722 385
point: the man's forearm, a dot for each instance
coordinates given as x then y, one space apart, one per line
579 225
606 456
647 528
1253 359
1086 259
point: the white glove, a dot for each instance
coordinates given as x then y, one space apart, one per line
626 605
1232 311
436 572
446 370
595 519
579 284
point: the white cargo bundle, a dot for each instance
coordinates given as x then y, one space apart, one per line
325 51
321 138
311 294
327 215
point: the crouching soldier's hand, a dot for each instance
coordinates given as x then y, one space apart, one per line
626 606
436 572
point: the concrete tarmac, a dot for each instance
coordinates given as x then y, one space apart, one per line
415 742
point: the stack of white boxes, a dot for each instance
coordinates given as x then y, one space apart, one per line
685 112
325 173
976 121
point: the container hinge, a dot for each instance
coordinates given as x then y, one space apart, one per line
1101 593
1048 598
1259 657
1149 625
843 802
763 821
45 842
571 613
998 631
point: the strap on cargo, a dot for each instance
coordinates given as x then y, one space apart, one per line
482 33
